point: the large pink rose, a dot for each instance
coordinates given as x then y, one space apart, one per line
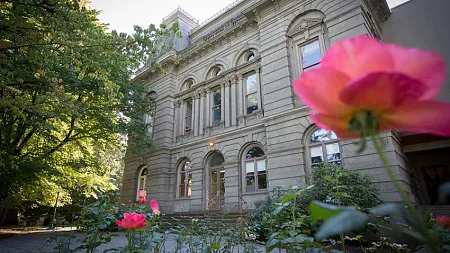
132 221
396 85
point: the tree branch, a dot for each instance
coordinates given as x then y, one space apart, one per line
65 140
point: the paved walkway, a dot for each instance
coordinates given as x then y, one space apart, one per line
37 242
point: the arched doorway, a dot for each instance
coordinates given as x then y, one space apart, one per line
216 182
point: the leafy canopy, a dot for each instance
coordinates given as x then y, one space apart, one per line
66 97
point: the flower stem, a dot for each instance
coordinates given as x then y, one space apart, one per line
422 226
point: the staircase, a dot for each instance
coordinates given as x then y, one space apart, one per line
180 220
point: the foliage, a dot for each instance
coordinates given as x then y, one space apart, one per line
289 208
66 98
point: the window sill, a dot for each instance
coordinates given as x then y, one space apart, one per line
182 198
255 193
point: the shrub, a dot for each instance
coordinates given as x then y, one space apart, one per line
288 208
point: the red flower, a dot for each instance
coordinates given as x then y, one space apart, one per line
154 206
443 220
132 221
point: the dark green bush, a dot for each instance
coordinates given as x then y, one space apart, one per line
288 208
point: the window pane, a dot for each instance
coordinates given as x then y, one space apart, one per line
251 57
251 84
213 182
182 191
187 166
142 183
310 54
322 135
188 117
222 182
249 167
254 152
250 183
316 154
189 186
311 67
261 165
216 160
262 181
333 152
217 112
252 103
217 98
183 178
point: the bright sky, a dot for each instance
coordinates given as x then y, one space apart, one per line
123 14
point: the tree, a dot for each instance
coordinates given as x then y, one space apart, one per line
67 100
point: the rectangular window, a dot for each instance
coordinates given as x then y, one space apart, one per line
311 55
251 94
188 117
217 107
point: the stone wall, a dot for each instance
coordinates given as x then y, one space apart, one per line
280 128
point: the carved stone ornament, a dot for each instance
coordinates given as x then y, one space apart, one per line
302 26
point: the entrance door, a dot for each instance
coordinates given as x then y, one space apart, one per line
217 188
216 174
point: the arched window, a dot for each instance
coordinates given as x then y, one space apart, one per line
255 170
216 70
188 84
185 180
142 181
216 174
250 56
324 147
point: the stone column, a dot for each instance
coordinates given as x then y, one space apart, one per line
208 108
176 121
227 103
181 119
202 111
241 95
233 101
195 109
258 88
222 103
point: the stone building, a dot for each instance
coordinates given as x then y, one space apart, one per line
227 125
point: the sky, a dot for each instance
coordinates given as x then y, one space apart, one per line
121 15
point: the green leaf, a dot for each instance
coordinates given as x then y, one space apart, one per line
322 211
345 221
388 209
207 249
287 198
272 244
215 245
328 178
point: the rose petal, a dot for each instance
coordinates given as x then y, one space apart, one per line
339 126
379 91
428 67
425 117
358 56
319 89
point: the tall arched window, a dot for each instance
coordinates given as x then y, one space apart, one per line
324 147
255 170
216 174
185 180
142 181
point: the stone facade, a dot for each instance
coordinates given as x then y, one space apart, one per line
259 40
